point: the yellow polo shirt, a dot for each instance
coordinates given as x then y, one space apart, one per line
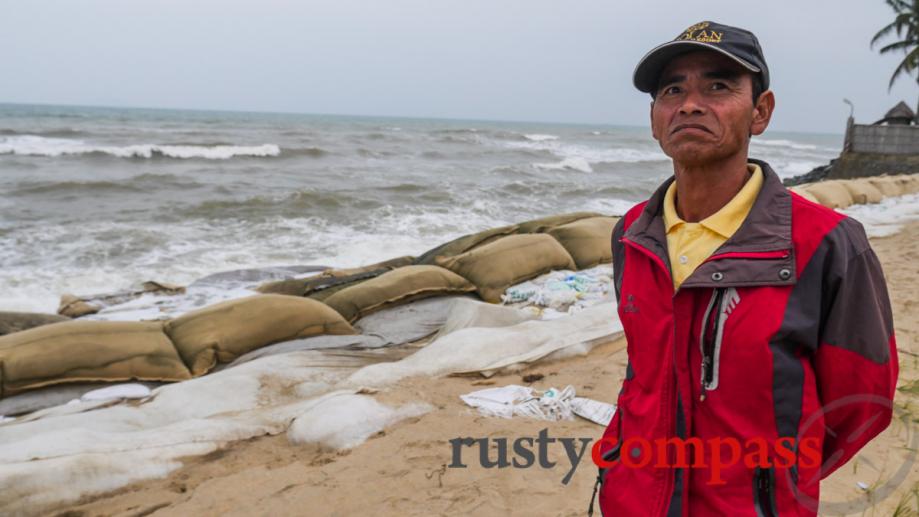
689 244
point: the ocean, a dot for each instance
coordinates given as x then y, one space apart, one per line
97 200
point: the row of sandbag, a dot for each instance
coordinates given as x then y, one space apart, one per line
840 194
585 236
486 263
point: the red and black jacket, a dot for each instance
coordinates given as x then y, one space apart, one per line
784 337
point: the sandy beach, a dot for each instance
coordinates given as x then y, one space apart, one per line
404 469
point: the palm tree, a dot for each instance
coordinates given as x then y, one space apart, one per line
906 25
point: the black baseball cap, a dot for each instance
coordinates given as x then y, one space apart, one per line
738 44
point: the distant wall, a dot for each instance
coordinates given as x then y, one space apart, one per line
856 165
883 139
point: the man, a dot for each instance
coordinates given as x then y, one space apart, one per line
760 337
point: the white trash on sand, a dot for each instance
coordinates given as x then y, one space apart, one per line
561 293
552 404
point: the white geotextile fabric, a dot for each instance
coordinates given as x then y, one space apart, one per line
346 420
486 350
57 455
468 313
67 452
131 390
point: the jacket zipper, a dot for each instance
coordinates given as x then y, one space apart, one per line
710 340
610 455
764 493
713 321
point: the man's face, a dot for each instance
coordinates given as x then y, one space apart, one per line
703 111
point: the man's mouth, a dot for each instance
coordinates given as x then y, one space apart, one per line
690 126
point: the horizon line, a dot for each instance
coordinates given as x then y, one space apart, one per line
348 115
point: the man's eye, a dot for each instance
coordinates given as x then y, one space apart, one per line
719 86
670 90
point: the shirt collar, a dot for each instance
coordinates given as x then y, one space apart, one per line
726 220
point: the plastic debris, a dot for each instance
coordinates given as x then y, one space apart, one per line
593 410
514 400
551 404
561 293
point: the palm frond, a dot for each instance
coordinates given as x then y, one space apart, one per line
887 29
906 27
905 44
906 67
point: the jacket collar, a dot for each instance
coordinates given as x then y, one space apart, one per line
767 228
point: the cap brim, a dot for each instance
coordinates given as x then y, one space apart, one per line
649 67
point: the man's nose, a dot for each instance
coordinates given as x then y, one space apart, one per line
692 103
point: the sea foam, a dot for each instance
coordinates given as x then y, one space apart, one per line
536 137
574 163
31 145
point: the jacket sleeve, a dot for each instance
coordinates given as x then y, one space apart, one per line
856 359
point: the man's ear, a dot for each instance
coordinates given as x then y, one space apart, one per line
762 112
651 115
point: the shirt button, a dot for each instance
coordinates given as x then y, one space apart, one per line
684 259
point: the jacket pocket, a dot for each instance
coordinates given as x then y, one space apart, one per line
764 492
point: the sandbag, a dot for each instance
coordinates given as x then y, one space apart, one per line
801 190
888 186
72 306
386 265
544 224
862 191
831 194
290 286
331 280
224 331
18 321
909 183
154 286
510 260
316 286
463 244
79 351
588 241
323 294
906 182
397 286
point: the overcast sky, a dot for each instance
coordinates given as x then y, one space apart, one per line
542 60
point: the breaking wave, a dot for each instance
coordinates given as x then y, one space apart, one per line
32 145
